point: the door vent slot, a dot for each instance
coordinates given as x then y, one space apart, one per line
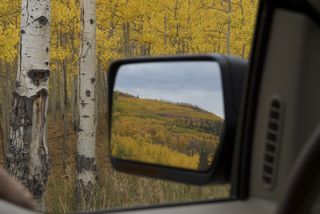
272 142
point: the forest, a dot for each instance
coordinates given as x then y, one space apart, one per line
120 28
160 132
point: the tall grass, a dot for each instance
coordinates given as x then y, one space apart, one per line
114 189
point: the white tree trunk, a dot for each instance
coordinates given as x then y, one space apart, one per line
86 131
27 152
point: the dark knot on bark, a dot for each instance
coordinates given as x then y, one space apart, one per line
38 75
42 20
88 93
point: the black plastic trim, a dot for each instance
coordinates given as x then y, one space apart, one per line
242 157
242 161
219 172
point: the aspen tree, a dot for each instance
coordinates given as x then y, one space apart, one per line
27 152
86 130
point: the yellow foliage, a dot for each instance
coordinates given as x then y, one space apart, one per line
138 27
128 148
155 131
60 53
8 42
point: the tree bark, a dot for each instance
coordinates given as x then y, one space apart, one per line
165 31
4 121
53 97
60 87
75 103
126 39
228 33
86 132
27 152
64 115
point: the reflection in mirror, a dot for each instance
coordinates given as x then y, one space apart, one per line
168 113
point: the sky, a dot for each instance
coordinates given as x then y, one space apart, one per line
198 83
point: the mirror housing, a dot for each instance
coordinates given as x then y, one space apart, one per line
233 72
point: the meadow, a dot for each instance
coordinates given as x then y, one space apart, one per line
116 190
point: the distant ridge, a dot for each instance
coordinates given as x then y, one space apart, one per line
182 104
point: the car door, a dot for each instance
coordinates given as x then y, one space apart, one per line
285 40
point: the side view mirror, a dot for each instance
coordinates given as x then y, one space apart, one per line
175 117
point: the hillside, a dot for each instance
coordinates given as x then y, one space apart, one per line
156 131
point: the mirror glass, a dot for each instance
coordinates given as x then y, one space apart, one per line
168 113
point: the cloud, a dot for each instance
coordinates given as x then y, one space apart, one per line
198 83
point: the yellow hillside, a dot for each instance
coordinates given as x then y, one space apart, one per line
161 132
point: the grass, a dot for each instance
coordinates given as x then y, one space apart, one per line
115 190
